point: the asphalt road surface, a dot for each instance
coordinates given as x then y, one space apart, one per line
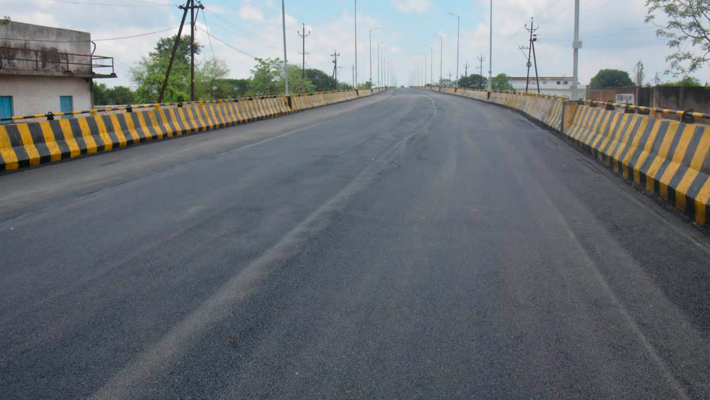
408 245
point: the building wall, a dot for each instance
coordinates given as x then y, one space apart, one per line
15 35
548 86
681 98
40 94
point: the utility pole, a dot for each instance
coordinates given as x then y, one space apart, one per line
531 51
431 65
335 56
283 22
481 59
425 63
458 45
441 58
175 46
465 69
528 64
192 48
576 46
353 68
304 35
379 81
373 29
490 49
355 44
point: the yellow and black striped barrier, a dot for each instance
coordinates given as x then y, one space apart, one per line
665 157
91 131
669 158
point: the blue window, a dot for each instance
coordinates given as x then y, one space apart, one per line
66 104
5 108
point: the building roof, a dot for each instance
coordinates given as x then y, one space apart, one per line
547 78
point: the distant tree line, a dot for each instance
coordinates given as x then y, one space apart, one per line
211 81
477 81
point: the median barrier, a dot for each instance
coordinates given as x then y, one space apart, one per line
668 158
665 157
33 143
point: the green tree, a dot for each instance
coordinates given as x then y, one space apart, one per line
611 78
473 81
366 85
296 82
150 72
321 81
236 88
501 82
266 75
345 86
687 81
209 80
687 32
119 95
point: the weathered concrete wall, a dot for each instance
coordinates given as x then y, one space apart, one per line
641 94
681 98
40 94
36 37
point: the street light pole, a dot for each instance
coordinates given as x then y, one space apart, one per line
431 65
373 29
458 44
379 64
283 20
384 71
490 54
576 46
356 44
441 58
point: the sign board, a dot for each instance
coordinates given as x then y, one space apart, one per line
625 98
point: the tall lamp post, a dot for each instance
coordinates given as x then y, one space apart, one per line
458 44
379 64
431 65
384 70
441 58
576 46
283 20
356 44
373 29
490 54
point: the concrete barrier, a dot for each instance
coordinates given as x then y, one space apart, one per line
667 158
34 143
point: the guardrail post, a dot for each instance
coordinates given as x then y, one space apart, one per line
687 117
50 116
129 108
610 106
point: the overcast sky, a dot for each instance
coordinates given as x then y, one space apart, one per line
613 32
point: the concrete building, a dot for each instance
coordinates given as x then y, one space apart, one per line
45 69
550 85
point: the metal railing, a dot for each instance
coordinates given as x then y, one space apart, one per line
685 116
21 59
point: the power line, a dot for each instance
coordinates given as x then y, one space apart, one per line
111 4
227 26
226 44
209 39
92 40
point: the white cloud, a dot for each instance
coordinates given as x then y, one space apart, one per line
412 6
251 14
